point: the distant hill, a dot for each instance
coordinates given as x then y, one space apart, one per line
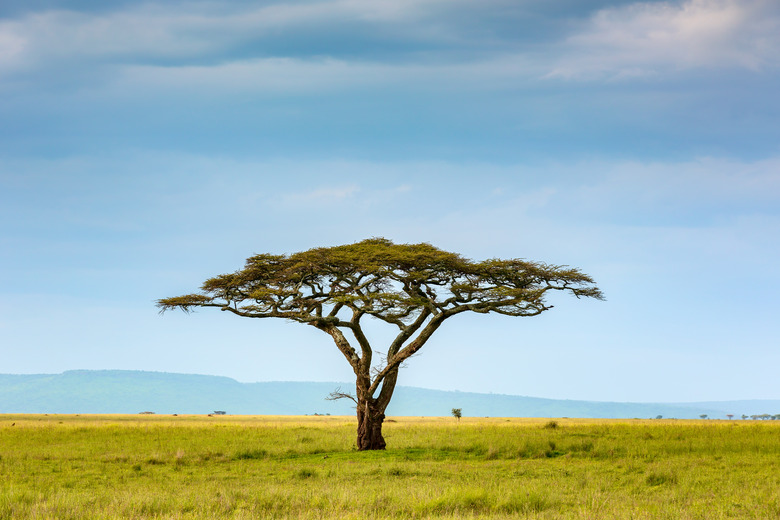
125 391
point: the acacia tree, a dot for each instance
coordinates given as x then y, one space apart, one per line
413 287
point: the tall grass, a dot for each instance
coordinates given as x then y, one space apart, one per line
306 467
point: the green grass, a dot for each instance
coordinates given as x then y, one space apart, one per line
306 467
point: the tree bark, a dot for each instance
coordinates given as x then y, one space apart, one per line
371 410
369 431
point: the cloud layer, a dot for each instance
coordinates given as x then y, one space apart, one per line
694 77
649 38
633 39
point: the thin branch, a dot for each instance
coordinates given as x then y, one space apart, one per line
338 394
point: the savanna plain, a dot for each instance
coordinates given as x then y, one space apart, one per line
153 466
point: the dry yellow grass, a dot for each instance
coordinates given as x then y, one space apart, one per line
151 466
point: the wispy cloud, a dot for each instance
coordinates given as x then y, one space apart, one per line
321 75
695 194
273 46
277 47
322 195
412 77
152 31
652 37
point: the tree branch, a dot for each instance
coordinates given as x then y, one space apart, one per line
394 361
338 394
343 345
365 346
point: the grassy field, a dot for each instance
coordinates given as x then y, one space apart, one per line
62 467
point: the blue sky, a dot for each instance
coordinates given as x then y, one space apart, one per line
147 146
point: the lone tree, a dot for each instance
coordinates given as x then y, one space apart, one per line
413 287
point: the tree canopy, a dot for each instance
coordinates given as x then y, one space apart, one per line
414 287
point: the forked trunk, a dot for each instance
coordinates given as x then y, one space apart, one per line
369 432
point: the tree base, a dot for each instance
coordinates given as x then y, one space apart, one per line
369 434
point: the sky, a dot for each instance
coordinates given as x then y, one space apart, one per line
148 146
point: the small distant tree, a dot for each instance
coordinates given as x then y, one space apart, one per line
659 416
703 416
730 416
413 288
456 412
744 416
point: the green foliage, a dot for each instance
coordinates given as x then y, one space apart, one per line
382 279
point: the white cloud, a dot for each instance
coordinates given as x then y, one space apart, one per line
322 195
195 42
77 36
268 74
11 48
188 30
191 48
648 38
706 189
318 75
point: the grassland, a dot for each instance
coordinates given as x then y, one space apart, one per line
65 467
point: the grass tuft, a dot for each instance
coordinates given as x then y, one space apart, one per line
251 455
305 473
528 503
656 478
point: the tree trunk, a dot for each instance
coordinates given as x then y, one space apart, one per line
369 432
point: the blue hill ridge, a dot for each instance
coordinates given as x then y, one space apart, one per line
128 391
